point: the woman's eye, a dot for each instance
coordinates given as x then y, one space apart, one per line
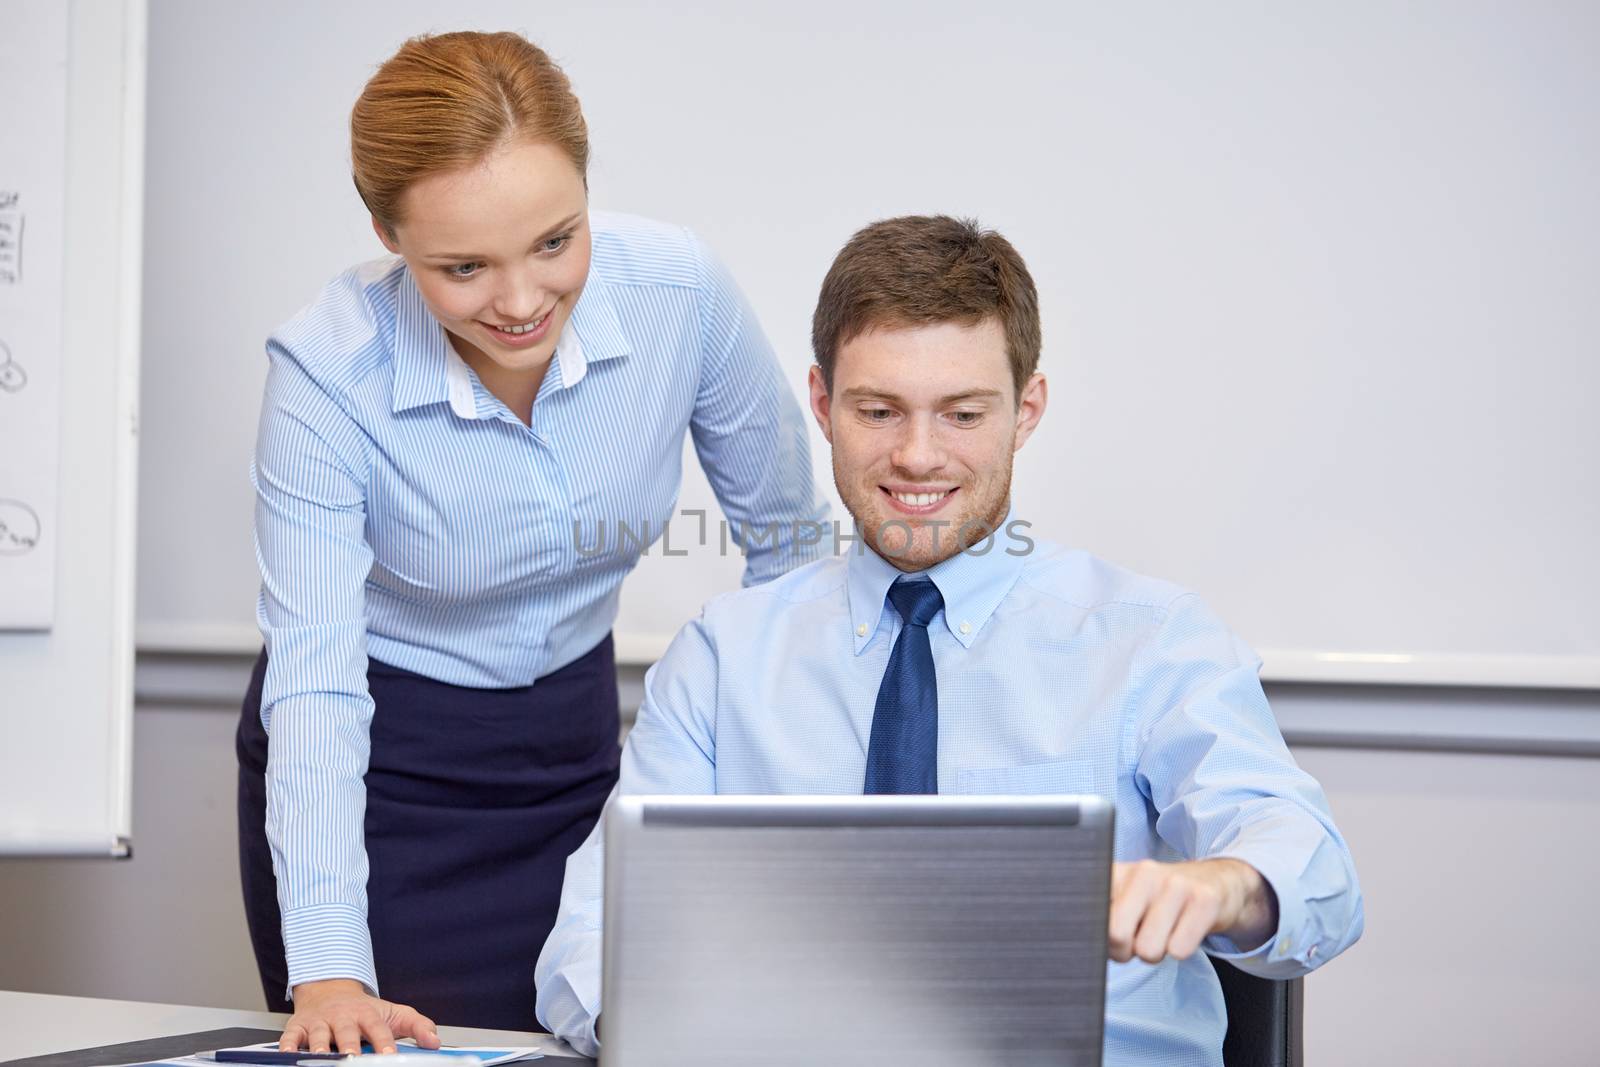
556 244
463 270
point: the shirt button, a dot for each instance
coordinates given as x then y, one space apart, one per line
861 631
966 627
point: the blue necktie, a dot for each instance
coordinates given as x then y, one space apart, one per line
903 756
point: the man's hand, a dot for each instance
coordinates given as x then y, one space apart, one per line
337 1014
1167 909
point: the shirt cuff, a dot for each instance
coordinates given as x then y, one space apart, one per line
1292 949
325 941
588 1042
564 1008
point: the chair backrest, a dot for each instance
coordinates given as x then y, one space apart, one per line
1265 1019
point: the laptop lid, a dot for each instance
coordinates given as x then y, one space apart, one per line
924 930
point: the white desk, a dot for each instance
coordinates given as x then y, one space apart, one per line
34 1024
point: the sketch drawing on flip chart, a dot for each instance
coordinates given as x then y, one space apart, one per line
12 376
11 224
10 239
19 528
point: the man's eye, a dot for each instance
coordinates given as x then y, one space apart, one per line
876 414
967 418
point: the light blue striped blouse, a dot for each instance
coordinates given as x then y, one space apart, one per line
403 511
1057 673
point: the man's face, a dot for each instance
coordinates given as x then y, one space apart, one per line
924 421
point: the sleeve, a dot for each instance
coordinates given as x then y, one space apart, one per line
1222 783
751 436
671 749
311 547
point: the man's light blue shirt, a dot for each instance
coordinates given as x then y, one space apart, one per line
1057 673
404 512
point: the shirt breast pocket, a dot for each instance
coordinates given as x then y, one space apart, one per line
1050 776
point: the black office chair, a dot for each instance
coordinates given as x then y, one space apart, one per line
1265 1019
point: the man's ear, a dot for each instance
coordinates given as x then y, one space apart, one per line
821 403
1030 409
384 235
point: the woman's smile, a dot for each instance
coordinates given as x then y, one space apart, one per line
522 335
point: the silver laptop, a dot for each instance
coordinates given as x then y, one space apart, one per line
870 930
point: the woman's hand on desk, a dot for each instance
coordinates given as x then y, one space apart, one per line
338 1014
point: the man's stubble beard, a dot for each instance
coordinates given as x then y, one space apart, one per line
951 541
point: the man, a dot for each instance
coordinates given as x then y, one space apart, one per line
956 654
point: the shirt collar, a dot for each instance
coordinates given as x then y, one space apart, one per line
429 371
594 332
462 394
972 586
421 352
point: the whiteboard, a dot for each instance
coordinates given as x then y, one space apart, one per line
71 84
33 98
1317 279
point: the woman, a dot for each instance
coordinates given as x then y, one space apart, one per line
446 438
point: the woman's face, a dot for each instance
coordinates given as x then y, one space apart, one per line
500 251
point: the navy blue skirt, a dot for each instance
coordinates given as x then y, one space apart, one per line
475 798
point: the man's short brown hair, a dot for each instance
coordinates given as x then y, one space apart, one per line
919 270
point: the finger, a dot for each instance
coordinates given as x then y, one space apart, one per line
1127 908
347 1035
409 1022
1198 920
377 1031
319 1037
1127 904
294 1036
1155 927
1120 873
426 1031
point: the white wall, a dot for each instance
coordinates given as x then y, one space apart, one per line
1479 874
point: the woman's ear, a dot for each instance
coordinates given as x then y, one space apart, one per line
384 235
